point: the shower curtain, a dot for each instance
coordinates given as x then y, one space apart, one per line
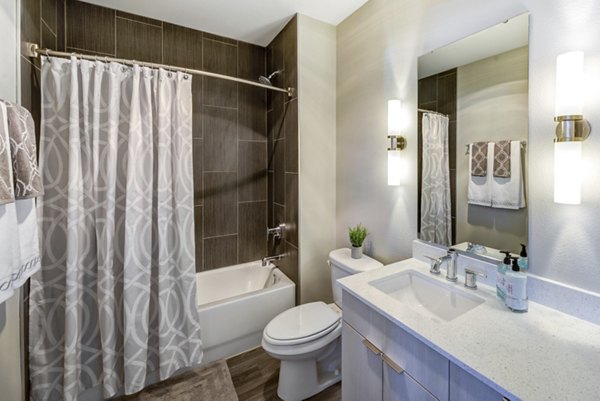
436 219
114 301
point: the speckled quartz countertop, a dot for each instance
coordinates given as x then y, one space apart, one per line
539 355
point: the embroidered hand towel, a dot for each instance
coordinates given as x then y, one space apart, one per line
502 159
479 159
509 193
7 193
27 179
479 189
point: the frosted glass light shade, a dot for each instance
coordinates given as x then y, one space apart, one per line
394 117
569 84
394 167
567 172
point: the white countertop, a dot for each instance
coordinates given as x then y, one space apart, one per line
543 354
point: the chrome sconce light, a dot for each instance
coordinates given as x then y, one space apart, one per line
397 142
571 129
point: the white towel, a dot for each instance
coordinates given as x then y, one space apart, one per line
509 193
29 246
9 241
19 246
479 191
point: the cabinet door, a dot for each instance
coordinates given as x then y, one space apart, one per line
466 387
361 368
423 364
399 386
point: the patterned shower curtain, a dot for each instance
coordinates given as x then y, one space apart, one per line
436 213
114 301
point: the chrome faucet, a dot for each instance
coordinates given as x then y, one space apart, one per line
436 264
451 265
266 260
450 258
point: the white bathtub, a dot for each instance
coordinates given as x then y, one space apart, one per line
235 304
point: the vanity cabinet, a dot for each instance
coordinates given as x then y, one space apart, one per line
382 361
465 387
369 374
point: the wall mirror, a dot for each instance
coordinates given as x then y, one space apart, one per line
472 141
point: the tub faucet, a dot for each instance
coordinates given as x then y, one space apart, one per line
277 232
266 260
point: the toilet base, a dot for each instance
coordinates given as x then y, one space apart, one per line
302 378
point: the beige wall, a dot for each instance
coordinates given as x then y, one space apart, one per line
11 378
491 106
377 50
316 141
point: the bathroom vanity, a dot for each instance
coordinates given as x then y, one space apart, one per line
409 335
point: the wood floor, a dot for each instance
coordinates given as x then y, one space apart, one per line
255 376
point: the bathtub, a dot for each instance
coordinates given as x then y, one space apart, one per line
235 304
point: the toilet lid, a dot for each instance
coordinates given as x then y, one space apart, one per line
302 322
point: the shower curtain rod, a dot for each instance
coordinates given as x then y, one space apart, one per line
33 50
432 112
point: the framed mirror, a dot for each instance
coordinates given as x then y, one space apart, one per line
472 141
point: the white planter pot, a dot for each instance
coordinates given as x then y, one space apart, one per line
357 252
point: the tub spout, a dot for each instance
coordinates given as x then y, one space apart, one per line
266 260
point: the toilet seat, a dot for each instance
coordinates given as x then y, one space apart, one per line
302 324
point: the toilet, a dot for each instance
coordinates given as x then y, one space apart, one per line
307 338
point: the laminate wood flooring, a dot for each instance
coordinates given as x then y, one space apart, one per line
255 375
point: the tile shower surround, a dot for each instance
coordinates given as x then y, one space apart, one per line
234 187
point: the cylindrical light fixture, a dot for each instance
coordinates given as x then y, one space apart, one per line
397 142
567 172
572 128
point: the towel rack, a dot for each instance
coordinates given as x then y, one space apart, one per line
523 145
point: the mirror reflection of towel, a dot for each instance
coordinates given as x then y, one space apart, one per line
7 193
502 159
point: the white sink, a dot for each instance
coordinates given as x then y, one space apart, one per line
427 295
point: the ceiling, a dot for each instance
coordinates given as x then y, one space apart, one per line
254 21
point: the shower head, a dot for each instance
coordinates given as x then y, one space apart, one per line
267 80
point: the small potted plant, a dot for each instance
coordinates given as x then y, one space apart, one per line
357 236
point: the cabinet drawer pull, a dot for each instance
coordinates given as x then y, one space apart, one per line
388 361
371 347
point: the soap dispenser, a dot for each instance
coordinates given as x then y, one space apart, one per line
523 262
516 288
503 268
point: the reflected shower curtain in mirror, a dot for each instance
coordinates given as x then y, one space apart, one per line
436 214
114 301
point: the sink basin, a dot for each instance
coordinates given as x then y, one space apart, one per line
427 295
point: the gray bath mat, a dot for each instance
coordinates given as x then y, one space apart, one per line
211 383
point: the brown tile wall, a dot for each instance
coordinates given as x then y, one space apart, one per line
232 194
438 93
282 128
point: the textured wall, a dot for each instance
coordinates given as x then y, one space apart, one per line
229 126
376 60
316 122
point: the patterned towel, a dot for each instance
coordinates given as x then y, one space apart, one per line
27 179
502 159
479 154
7 193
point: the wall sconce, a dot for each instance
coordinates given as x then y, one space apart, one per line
397 142
572 128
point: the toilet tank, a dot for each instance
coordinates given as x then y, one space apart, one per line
343 265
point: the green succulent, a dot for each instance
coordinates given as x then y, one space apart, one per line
357 234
